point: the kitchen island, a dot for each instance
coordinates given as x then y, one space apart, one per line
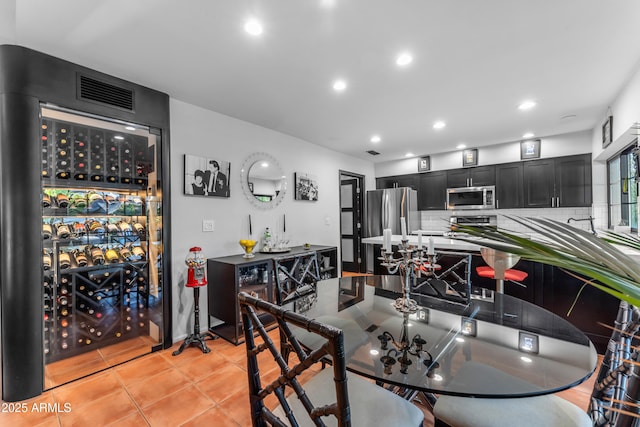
546 286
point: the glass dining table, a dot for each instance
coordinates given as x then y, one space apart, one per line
495 346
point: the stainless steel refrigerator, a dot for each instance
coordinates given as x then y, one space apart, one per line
385 208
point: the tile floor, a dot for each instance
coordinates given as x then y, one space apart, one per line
158 389
192 389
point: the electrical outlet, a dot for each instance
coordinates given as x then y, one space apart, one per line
208 225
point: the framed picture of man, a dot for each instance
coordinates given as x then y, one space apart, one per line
205 176
306 187
424 164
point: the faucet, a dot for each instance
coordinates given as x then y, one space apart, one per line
590 219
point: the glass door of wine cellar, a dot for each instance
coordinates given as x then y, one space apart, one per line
101 243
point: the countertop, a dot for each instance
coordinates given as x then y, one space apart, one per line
439 242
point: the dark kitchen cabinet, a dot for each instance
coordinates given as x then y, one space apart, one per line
509 183
471 177
398 181
558 182
432 194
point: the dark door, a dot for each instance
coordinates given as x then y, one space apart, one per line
351 220
573 181
433 191
539 181
509 186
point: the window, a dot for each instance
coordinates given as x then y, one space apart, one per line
623 191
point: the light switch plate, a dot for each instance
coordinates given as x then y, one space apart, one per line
208 225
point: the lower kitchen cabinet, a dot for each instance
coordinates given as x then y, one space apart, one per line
230 275
555 290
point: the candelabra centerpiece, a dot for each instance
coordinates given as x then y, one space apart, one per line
414 262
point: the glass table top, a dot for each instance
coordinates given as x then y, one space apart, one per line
496 346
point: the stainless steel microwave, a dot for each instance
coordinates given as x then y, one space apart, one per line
471 197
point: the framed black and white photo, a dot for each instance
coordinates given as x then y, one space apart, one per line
424 164
204 176
530 149
607 132
306 187
470 157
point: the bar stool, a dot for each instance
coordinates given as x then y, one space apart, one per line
499 268
196 278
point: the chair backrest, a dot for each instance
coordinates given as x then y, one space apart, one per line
452 279
296 276
250 308
614 400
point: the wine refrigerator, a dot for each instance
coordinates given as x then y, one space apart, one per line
84 242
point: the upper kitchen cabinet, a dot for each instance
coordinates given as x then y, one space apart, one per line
433 191
398 181
558 182
509 186
471 177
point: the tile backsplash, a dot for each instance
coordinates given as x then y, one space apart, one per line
439 220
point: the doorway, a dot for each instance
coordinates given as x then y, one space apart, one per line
351 220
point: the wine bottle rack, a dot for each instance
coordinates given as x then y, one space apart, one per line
86 155
95 269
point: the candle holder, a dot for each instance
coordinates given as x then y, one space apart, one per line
413 263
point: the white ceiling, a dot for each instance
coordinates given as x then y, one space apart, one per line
474 62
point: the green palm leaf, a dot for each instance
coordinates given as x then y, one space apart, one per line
597 260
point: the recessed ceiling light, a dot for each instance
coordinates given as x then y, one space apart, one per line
461 146
339 85
374 352
459 339
375 139
119 137
527 105
526 359
129 128
528 135
439 124
409 155
253 27
404 59
264 164
437 377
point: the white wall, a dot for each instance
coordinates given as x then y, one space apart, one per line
625 110
551 146
205 133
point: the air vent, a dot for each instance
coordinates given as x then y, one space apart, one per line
373 152
97 91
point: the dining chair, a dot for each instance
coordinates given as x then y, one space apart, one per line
330 397
613 401
296 278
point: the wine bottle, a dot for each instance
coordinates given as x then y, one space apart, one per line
46 200
138 252
96 255
62 300
126 254
64 260
95 226
112 228
125 227
79 229
112 256
64 323
62 199
46 260
46 231
64 345
138 227
80 257
62 231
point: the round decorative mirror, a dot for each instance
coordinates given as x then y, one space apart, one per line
263 180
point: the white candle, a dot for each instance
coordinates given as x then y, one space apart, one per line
419 239
386 239
403 227
430 250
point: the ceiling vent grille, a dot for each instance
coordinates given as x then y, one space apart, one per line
373 152
97 91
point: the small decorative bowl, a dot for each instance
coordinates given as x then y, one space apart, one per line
248 246
307 246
